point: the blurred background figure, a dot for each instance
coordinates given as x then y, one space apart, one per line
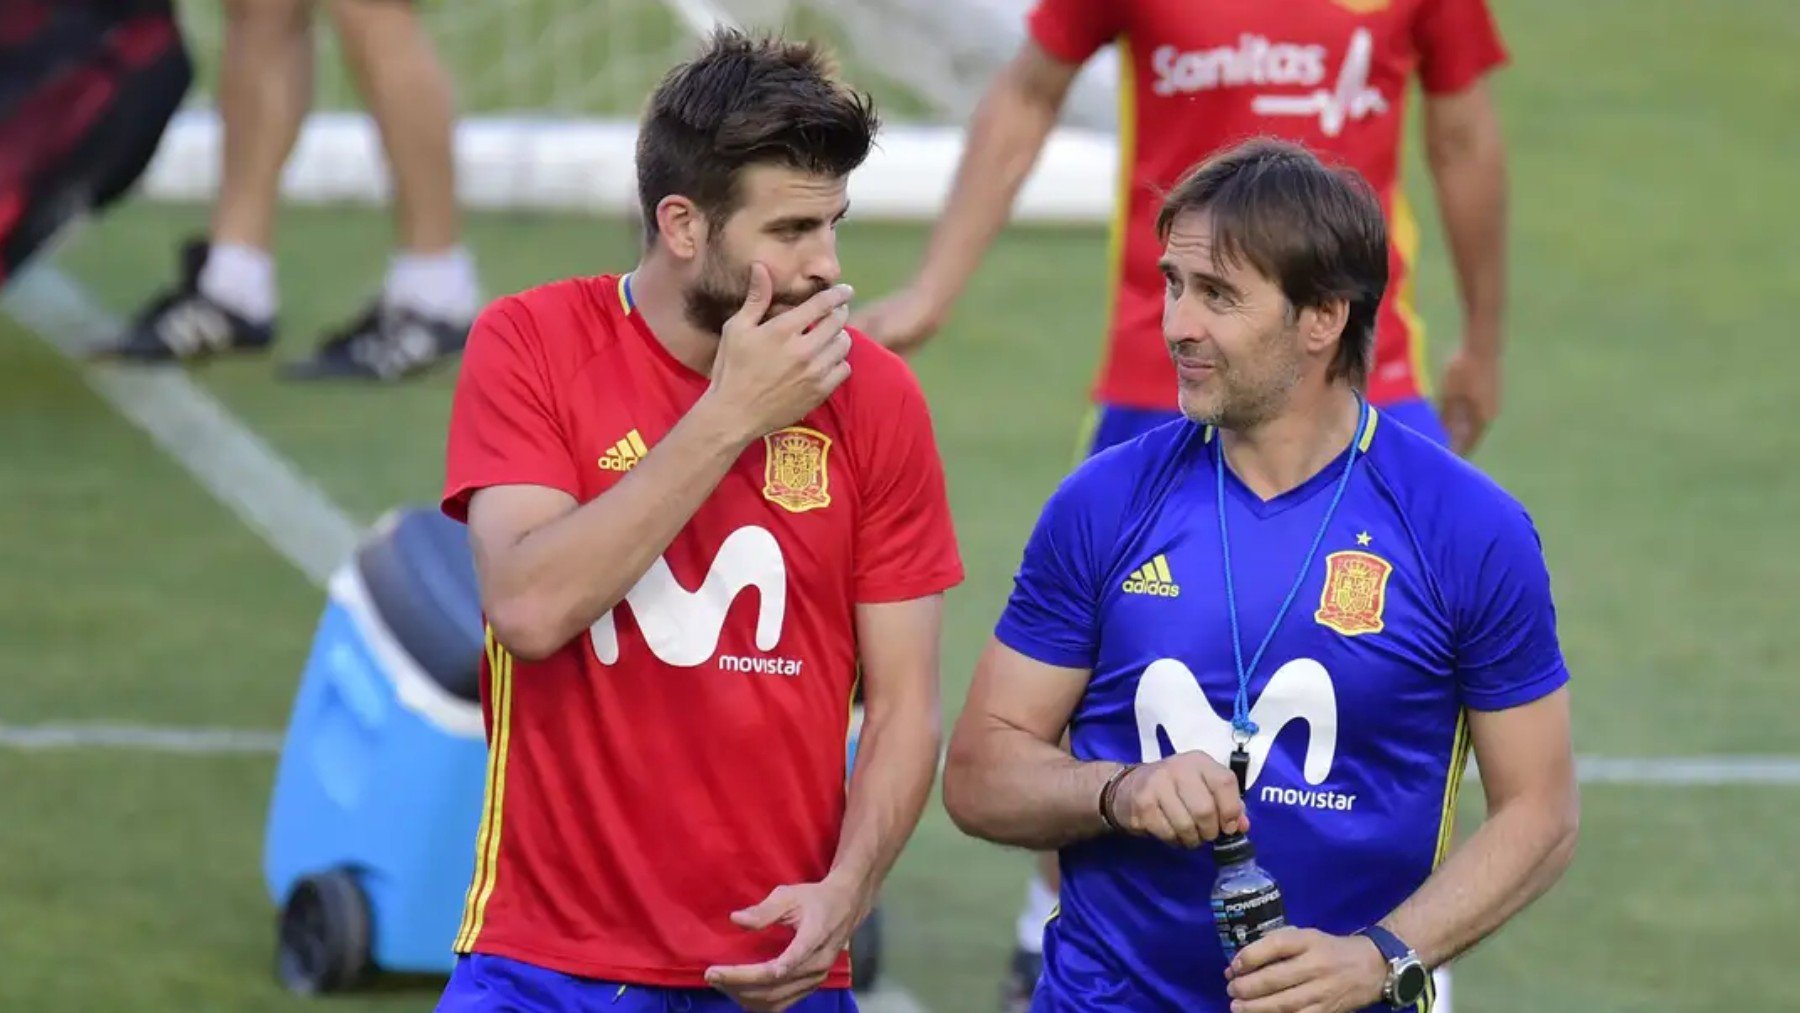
87 88
227 297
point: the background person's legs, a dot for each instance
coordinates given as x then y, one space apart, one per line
430 295
226 298
410 95
265 88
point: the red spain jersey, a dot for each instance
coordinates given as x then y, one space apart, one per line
1202 75
685 755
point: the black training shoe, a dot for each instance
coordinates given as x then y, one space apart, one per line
1021 981
383 343
182 325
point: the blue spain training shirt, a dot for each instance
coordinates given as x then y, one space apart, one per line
1428 597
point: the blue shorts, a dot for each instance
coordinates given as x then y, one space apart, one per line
488 984
1115 424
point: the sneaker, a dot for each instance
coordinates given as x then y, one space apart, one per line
1021 981
384 344
182 325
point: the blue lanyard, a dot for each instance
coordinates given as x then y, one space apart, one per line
1242 728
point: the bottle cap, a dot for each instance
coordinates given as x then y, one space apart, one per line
1230 849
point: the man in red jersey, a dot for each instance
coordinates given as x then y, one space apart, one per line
699 507
1199 76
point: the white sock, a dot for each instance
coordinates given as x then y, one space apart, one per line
1040 903
441 286
242 279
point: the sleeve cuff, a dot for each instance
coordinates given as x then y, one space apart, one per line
1060 46
1039 649
1518 695
883 592
455 501
1457 79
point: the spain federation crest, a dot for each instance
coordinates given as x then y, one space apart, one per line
1355 592
796 476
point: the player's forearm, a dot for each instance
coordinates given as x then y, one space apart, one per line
896 760
1468 163
1510 860
1005 137
1005 785
558 579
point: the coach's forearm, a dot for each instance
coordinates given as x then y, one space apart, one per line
1005 785
561 577
896 760
1468 164
1006 134
1510 860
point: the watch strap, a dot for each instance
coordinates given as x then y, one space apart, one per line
1390 945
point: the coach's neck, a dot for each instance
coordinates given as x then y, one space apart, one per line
1315 426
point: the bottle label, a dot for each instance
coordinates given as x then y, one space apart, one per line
1244 919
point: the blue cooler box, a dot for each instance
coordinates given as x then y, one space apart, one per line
377 799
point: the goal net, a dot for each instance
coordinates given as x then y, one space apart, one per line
549 91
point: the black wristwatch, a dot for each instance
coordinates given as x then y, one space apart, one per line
1406 977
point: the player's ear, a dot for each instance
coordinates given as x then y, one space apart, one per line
681 226
1321 326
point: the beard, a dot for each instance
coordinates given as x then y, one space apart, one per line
724 283
1240 399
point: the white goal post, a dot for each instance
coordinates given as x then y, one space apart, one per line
549 91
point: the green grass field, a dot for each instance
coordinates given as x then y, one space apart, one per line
1649 425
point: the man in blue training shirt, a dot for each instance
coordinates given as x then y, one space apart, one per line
1353 603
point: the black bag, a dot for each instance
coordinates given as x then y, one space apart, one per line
87 88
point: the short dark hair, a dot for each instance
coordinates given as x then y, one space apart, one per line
745 101
1315 230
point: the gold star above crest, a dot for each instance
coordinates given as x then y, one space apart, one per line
1362 538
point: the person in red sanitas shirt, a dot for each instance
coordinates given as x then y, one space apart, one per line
703 511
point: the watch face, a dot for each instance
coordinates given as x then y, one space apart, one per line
1411 984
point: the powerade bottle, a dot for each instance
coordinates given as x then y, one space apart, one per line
1246 902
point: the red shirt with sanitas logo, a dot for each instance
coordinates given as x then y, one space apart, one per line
1202 75
685 755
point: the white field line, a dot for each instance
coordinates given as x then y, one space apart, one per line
240 469
1662 771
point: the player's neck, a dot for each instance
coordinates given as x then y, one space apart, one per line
656 293
1279 455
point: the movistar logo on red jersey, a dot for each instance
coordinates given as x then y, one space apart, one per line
682 627
1261 63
